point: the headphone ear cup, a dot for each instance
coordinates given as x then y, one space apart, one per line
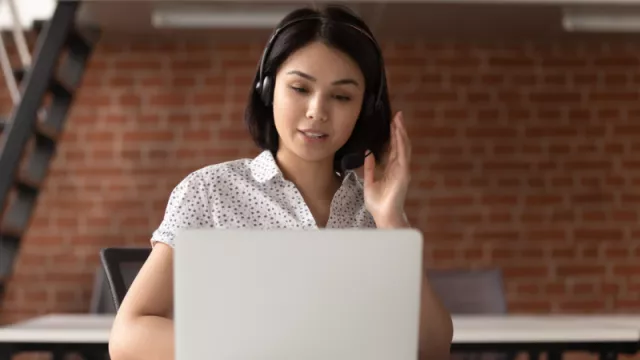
266 91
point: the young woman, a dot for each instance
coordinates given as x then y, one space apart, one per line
319 102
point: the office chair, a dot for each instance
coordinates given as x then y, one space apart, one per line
471 292
121 265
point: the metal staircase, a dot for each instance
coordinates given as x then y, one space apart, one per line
42 91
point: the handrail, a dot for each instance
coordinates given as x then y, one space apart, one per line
7 70
18 35
23 53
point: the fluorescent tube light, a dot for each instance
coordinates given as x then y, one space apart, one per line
223 18
601 20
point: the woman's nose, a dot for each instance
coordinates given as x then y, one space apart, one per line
317 109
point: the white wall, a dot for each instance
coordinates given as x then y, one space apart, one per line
28 10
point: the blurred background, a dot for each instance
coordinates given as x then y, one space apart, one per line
524 118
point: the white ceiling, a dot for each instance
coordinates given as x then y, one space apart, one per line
427 20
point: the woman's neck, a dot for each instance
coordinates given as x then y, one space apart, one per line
316 180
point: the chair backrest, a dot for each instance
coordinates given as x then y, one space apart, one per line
121 265
101 296
470 291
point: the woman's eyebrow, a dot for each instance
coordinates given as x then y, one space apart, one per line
311 78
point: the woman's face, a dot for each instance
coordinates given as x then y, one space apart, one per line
316 102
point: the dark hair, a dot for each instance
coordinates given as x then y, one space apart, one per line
372 128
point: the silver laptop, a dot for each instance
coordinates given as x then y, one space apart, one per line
328 294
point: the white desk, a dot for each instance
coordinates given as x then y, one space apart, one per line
58 334
607 335
555 334
79 328
545 329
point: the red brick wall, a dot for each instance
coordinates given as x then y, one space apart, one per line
525 159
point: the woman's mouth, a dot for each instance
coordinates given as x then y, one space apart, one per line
313 135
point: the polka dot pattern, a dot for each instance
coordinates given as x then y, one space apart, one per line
252 193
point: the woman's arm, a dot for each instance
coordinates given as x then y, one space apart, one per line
143 328
436 327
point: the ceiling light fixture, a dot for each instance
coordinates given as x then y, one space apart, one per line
218 18
597 19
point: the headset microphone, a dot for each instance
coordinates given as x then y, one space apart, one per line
353 161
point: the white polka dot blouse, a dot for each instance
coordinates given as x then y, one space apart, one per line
252 193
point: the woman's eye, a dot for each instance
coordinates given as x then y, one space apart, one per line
342 98
299 89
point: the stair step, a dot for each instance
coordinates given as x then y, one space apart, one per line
26 184
57 86
47 130
19 211
43 129
77 41
11 231
8 251
37 162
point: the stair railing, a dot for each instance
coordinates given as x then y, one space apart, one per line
22 48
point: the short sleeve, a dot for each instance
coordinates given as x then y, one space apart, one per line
188 207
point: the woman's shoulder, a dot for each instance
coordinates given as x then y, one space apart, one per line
236 170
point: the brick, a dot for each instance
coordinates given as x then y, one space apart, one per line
581 306
433 131
442 236
561 62
630 199
594 216
519 272
168 100
148 136
545 235
581 234
588 165
506 165
530 306
511 62
613 96
451 166
626 130
577 270
563 252
499 200
625 216
543 200
451 201
555 97
548 132
617 62
192 64
137 65
197 135
488 132
592 198
444 254
496 235
449 183
626 270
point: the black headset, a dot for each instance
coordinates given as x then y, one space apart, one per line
265 84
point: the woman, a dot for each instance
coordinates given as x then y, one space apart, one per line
320 101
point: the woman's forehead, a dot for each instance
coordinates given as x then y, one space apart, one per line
322 62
